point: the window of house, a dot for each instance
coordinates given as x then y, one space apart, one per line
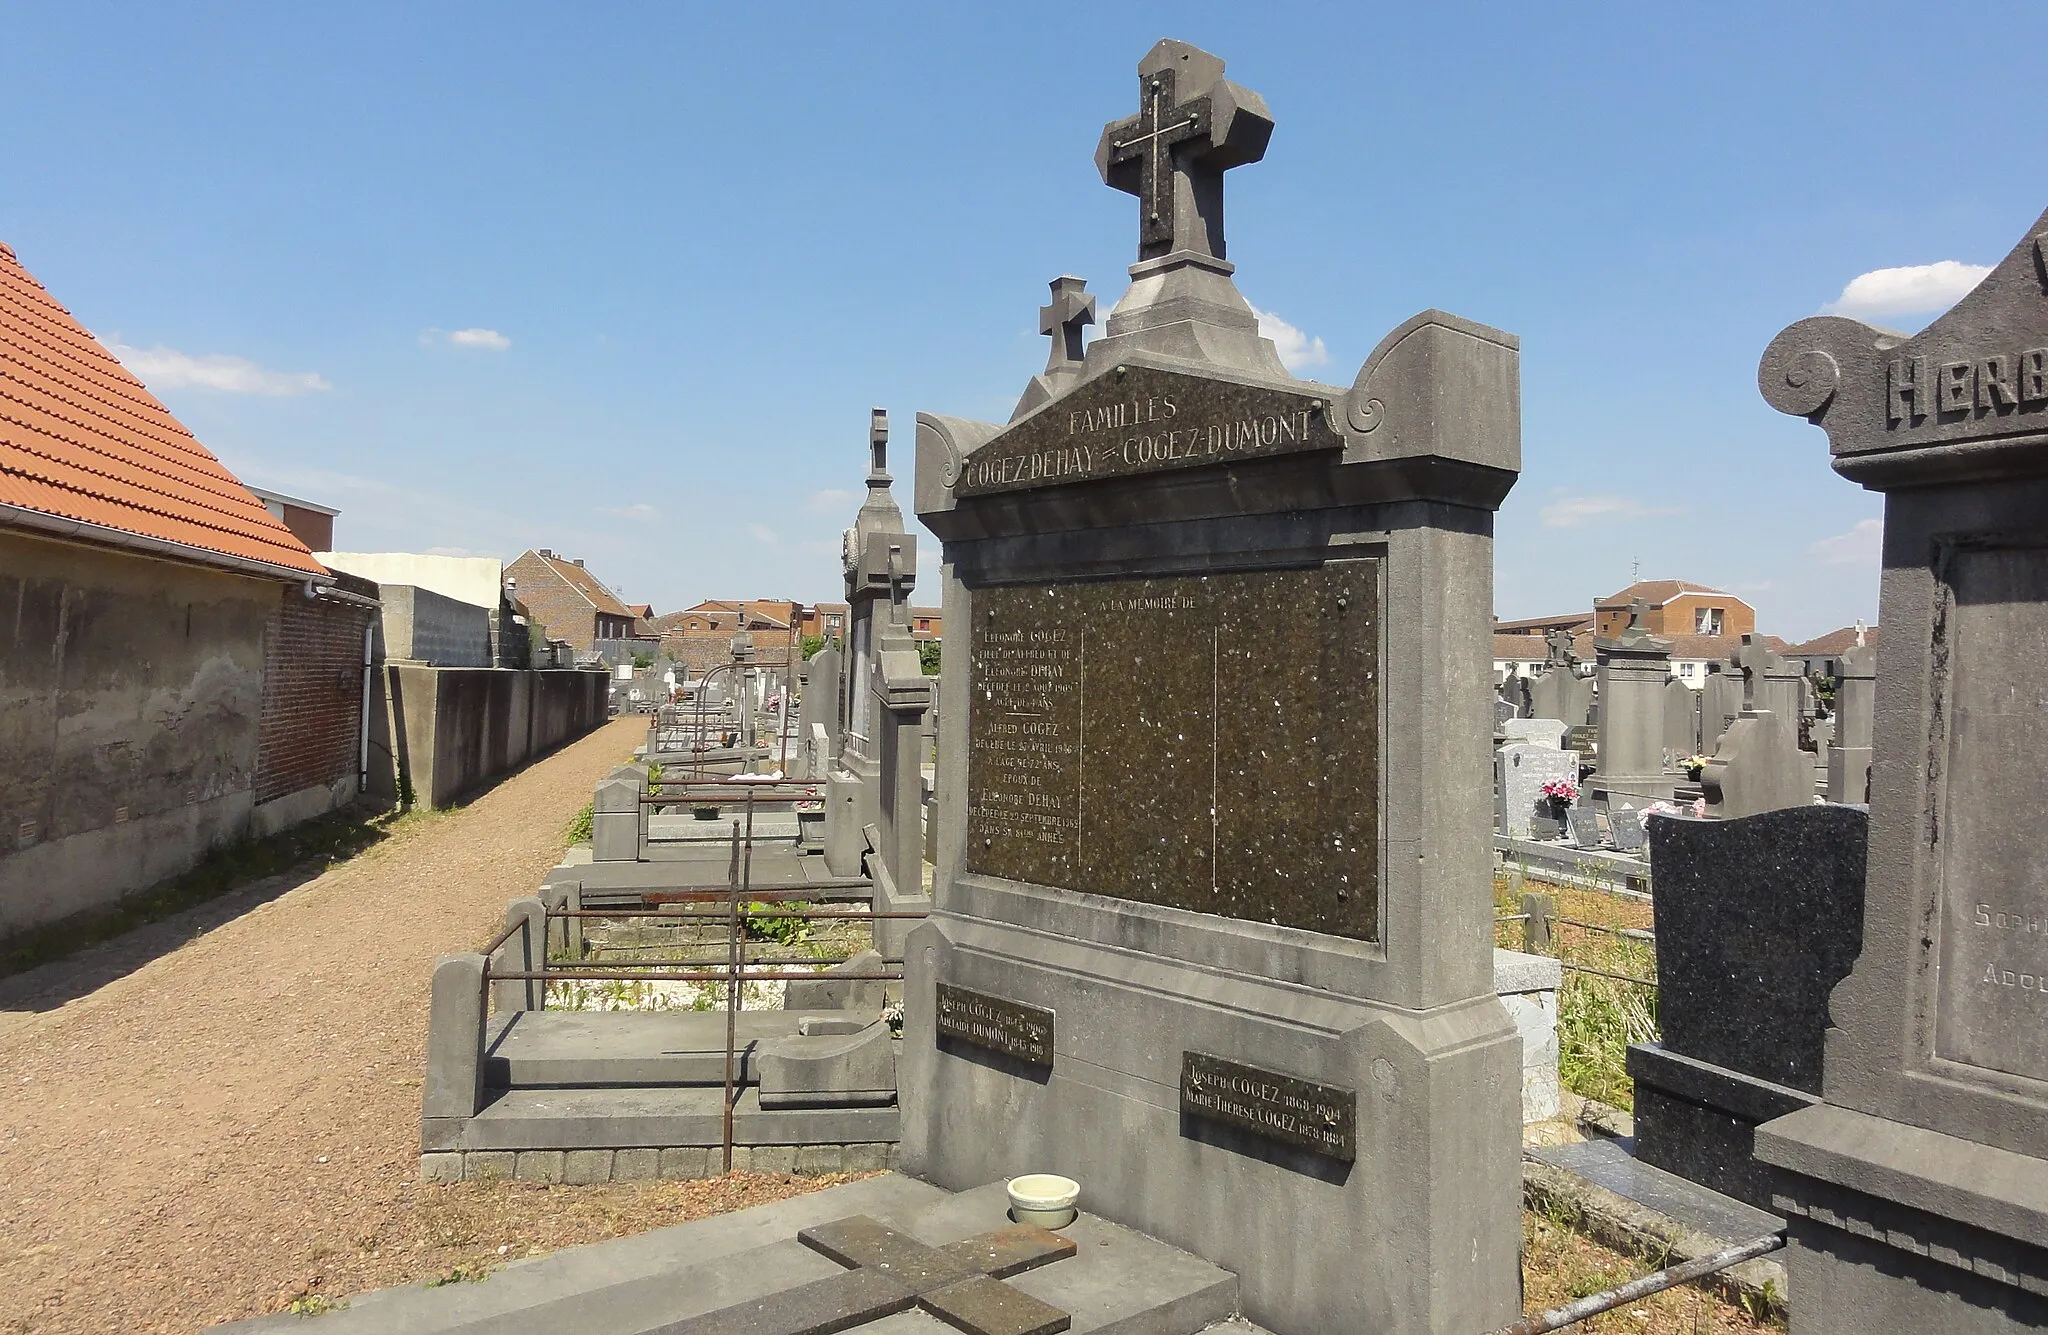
1707 621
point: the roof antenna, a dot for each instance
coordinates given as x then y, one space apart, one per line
1635 570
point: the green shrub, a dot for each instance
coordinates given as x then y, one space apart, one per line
579 828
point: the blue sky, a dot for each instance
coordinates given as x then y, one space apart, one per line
624 280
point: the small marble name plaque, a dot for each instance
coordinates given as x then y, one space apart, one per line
1278 1107
1009 1027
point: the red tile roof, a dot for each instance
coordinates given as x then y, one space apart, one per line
81 439
590 586
1834 642
1657 592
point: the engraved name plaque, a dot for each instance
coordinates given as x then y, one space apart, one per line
1207 742
1993 983
1009 1027
1278 1107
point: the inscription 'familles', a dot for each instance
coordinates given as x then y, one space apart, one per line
1147 420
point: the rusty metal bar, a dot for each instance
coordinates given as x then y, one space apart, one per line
503 937
733 980
1617 977
850 915
1557 1318
694 976
1632 933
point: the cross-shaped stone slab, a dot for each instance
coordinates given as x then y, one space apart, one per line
1752 658
1192 126
1072 309
889 1272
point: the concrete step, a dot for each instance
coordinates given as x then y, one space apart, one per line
624 1049
579 1119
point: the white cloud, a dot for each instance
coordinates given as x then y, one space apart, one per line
488 339
1860 546
1573 511
1296 348
830 501
1908 290
167 368
763 533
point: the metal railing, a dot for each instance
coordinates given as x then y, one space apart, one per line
1540 919
735 972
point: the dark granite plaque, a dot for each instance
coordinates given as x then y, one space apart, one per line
1209 742
1278 1107
1144 420
1009 1027
1993 990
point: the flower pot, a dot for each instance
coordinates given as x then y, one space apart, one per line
1044 1199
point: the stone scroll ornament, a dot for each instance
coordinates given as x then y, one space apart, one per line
1973 385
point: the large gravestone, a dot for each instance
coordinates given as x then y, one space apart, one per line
1855 704
1919 1185
1757 920
1561 693
1681 721
1235 980
1721 703
1635 668
1520 769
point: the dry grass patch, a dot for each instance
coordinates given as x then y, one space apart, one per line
463 1232
1560 1265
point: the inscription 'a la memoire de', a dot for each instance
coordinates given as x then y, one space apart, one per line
1155 420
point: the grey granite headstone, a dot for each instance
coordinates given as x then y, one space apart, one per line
1681 721
1757 920
1758 767
1503 710
1634 669
1918 1187
1720 705
1625 826
1542 731
1299 905
1584 825
1561 693
1520 771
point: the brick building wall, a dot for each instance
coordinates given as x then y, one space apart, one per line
312 691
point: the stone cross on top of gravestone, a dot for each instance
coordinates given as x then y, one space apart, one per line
1072 309
1752 658
1192 126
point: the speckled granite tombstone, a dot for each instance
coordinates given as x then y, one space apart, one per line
1919 1184
1757 920
1237 981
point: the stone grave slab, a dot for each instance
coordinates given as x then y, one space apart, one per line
1583 825
1520 771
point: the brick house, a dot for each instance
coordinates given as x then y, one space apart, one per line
700 637
571 603
177 670
1822 657
1677 608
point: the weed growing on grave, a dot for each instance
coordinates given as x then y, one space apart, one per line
782 931
579 828
457 1275
314 1304
1597 1016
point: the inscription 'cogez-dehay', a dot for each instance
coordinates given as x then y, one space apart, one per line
1009 1027
1278 1107
1142 421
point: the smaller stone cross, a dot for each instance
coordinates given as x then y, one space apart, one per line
1072 308
888 1272
1636 611
1752 658
878 444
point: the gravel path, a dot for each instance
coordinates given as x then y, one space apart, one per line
236 1119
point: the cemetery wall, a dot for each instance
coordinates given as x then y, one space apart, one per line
442 733
431 628
308 740
130 696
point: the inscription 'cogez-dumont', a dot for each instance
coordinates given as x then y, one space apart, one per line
1152 422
